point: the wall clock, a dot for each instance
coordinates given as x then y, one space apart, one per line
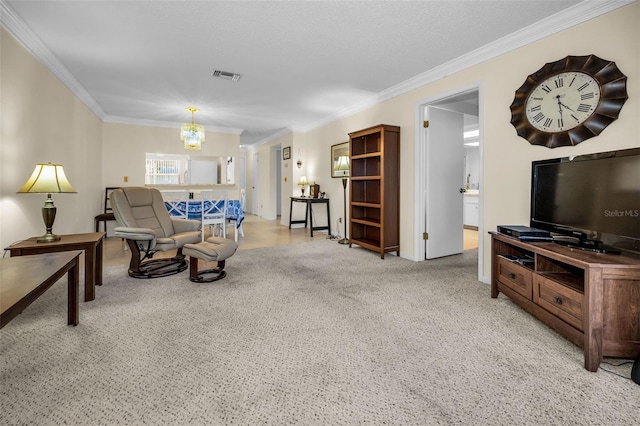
568 101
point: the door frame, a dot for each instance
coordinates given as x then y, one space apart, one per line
278 180
444 216
255 190
421 172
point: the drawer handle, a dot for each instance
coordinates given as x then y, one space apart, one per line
558 300
512 276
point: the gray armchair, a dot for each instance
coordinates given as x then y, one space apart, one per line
143 220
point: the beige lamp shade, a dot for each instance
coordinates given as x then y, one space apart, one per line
46 179
343 163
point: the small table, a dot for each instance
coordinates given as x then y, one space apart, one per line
91 243
308 214
24 279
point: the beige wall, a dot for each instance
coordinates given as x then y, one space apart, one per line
506 157
125 145
67 132
42 121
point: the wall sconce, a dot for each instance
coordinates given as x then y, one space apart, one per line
299 163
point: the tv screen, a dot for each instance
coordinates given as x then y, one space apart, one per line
593 198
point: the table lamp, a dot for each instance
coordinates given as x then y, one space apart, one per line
343 166
303 181
47 179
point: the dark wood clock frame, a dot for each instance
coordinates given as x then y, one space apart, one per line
613 86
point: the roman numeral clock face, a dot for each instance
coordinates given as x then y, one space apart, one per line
569 101
562 102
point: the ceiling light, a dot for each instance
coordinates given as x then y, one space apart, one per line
192 134
226 75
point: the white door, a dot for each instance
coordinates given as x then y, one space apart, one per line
254 187
242 173
278 169
445 168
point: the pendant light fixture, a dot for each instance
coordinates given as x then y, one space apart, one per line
192 134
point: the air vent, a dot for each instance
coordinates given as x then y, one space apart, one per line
226 75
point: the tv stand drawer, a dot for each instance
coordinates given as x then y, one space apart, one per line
563 302
516 277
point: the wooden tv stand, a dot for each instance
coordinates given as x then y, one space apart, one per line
591 299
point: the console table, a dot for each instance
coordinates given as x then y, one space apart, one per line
591 299
308 213
24 279
91 243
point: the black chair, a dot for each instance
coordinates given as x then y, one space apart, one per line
108 211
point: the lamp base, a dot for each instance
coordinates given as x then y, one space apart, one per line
48 238
49 216
345 240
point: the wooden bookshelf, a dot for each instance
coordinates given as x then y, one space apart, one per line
374 203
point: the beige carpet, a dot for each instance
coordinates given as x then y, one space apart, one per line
313 333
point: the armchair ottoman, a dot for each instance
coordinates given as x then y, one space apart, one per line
214 249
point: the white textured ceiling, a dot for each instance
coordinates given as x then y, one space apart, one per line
301 62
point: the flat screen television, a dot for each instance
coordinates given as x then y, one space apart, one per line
590 201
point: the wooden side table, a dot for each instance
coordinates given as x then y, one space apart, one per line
91 244
26 279
308 214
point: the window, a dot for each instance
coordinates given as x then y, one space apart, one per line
162 172
176 169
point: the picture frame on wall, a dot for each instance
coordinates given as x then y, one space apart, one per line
337 168
286 153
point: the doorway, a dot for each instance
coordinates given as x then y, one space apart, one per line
278 169
255 190
464 150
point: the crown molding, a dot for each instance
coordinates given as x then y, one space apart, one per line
274 136
561 21
33 44
570 17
